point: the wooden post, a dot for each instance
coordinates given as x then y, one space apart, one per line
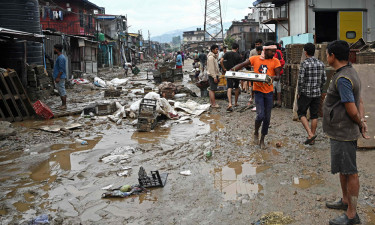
24 65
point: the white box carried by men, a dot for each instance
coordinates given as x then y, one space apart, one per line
250 76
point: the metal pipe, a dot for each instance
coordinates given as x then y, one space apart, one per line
288 20
307 16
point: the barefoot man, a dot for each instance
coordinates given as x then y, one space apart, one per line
266 64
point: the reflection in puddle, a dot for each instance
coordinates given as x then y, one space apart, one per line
147 197
231 180
61 160
213 120
180 132
39 123
310 180
47 171
151 137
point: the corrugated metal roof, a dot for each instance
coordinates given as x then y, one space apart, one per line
92 4
8 33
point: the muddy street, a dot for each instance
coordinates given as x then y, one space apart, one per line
53 174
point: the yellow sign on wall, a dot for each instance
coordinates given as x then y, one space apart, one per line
351 26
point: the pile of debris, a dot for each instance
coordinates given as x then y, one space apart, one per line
362 52
39 82
167 72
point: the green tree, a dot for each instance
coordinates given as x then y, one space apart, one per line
228 41
176 40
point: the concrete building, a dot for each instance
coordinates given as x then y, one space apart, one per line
245 26
301 21
193 36
261 13
245 33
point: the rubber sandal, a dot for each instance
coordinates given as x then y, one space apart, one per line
230 109
308 141
215 106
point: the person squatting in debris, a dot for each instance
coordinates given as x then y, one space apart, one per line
196 66
231 59
59 74
126 68
213 73
178 60
344 122
311 78
265 64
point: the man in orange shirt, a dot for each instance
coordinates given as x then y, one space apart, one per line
266 64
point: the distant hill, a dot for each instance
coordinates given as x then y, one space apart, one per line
167 37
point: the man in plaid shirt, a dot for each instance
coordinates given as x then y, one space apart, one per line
311 79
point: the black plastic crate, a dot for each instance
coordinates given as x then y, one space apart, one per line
89 109
155 180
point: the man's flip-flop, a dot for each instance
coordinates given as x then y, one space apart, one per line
215 106
230 109
308 141
243 109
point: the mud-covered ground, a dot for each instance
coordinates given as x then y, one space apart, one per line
49 173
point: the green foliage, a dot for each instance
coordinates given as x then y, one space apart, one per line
228 41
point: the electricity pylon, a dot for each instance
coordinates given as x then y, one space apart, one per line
213 23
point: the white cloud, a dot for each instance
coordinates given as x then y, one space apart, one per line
161 16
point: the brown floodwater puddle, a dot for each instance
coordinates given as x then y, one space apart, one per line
60 160
47 171
22 206
37 123
230 179
213 120
311 180
370 213
180 132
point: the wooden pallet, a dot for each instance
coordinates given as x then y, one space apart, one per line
15 105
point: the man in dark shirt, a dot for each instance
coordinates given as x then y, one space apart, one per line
231 59
203 59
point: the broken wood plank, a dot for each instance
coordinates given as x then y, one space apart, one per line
366 74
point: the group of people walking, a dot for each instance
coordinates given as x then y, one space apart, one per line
343 111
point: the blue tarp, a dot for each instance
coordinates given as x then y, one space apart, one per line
257 2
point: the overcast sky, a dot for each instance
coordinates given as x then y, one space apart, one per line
161 16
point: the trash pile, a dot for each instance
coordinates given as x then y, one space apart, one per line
124 191
118 156
113 83
167 72
155 180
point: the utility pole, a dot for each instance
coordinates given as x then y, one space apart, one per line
149 44
213 23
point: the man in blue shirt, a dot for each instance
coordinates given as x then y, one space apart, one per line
59 74
178 61
344 122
